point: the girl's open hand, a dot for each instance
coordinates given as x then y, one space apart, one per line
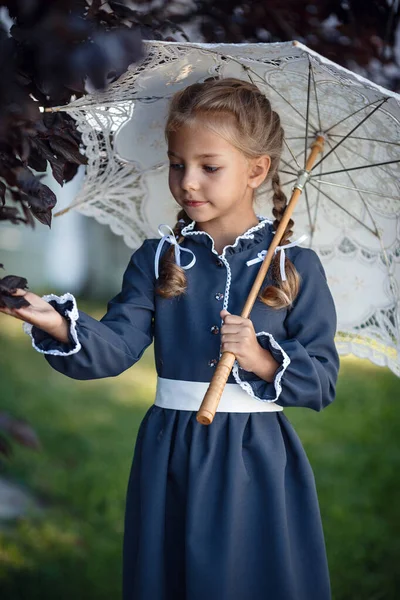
40 314
238 336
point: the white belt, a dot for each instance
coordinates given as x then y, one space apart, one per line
188 395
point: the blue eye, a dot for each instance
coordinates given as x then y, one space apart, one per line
211 169
175 166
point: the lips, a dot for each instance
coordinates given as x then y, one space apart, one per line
192 202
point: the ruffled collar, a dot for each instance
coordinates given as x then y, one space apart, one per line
245 241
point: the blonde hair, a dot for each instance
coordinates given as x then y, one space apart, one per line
255 129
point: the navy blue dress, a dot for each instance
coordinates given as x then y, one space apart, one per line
227 511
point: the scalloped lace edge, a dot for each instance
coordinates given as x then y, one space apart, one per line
246 386
72 314
364 351
188 230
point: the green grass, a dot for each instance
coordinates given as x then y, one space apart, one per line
72 546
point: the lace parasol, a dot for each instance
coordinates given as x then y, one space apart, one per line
350 206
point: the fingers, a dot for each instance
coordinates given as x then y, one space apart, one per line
232 319
233 328
231 335
236 338
237 334
235 324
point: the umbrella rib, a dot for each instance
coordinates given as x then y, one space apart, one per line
290 180
316 95
355 112
349 133
355 189
287 172
295 158
361 198
307 112
344 209
388 162
317 200
293 155
365 158
289 166
355 137
309 214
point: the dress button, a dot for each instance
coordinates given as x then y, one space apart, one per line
219 263
215 329
213 362
219 296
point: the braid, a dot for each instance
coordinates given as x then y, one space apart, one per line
172 281
282 293
280 203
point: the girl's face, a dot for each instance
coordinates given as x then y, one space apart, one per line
208 177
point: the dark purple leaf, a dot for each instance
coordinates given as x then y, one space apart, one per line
44 149
26 180
44 216
123 11
70 171
67 150
40 206
57 168
37 161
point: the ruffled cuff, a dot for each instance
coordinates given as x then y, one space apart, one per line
259 388
43 342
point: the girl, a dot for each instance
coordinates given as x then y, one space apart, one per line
228 511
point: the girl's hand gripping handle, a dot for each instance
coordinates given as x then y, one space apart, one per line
40 314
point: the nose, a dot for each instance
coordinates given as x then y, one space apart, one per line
189 180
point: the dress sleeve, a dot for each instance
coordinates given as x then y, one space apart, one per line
104 348
308 358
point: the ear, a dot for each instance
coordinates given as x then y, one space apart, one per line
259 168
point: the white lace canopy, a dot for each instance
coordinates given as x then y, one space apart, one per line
350 207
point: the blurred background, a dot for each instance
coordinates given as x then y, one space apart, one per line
61 507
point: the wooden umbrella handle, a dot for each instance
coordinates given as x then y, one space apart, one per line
209 405
213 395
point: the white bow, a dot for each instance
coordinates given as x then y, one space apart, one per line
170 238
261 255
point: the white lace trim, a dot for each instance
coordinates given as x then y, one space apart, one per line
228 283
188 230
246 386
72 314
